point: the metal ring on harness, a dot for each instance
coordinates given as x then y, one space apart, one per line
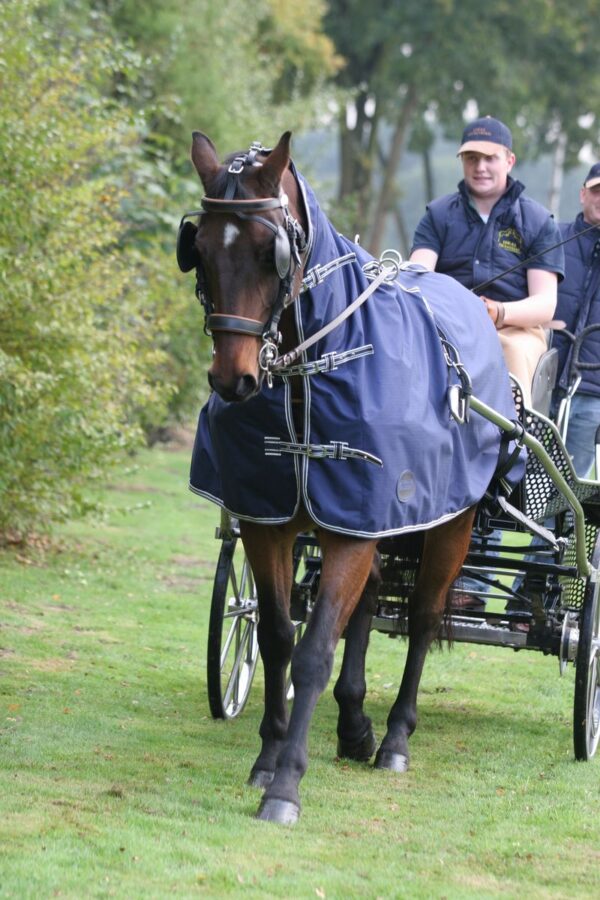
391 259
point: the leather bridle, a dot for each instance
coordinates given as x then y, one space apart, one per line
289 247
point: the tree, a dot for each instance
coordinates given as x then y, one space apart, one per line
401 59
532 66
562 112
78 364
237 71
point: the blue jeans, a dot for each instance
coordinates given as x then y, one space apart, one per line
584 419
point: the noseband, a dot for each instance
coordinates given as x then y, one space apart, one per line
290 244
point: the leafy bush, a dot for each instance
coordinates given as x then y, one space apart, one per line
80 370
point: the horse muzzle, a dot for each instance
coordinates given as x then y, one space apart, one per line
238 370
237 388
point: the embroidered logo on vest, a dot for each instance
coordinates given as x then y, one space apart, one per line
510 239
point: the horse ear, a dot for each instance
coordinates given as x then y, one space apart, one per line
204 157
275 164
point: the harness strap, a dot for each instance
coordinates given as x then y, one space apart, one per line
214 204
548 536
507 459
234 324
288 358
329 362
318 274
274 446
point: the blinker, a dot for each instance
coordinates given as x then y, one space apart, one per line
187 255
188 258
283 256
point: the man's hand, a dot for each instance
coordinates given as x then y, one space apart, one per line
495 311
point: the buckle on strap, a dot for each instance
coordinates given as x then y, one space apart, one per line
237 165
274 446
329 362
459 395
318 274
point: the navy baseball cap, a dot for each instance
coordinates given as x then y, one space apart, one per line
593 176
485 135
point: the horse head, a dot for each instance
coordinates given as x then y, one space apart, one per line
247 251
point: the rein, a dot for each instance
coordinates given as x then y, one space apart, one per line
484 284
386 274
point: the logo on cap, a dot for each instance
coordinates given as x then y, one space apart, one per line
486 135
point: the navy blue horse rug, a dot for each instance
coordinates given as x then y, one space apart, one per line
381 453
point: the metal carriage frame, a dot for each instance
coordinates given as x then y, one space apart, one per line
544 595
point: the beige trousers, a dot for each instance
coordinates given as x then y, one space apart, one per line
522 348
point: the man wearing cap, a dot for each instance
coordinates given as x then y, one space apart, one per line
480 232
486 228
579 306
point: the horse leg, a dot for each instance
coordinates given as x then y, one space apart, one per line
356 739
444 551
345 567
269 551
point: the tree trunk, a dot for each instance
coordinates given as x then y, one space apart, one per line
356 164
556 176
428 175
386 190
405 238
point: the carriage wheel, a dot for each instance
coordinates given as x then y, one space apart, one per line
586 717
232 637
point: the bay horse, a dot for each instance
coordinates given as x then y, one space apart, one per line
251 249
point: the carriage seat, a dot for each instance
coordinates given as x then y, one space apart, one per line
536 495
544 381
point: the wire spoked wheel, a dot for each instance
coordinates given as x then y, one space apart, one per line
232 632
586 714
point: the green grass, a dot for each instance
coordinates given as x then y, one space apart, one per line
115 781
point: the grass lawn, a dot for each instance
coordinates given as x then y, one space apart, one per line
115 781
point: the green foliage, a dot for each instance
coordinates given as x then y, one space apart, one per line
155 196
100 337
301 55
558 46
78 365
237 71
532 65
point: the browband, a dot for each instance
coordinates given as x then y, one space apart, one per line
235 324
210 204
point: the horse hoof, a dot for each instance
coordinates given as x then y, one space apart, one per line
395 762
361 750
260 778
283 812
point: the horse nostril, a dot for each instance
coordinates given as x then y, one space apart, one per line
246 387
235 391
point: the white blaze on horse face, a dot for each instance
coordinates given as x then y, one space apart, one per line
230 234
